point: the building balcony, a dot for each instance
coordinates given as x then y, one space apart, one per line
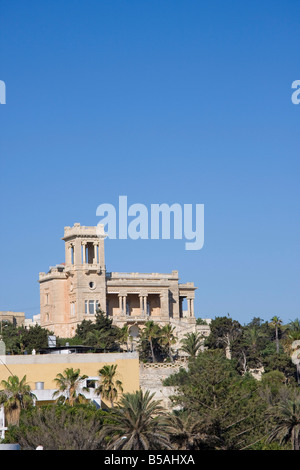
137 318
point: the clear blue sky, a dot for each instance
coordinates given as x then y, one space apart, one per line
163 101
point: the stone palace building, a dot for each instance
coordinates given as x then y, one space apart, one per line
73 291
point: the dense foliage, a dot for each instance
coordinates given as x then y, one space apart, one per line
21 340
59 427
100 334
239 389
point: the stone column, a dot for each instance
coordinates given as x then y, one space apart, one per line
95 253
69 254
192 308
124 304
180 307
141 305
188 307
101 254
145 304
77 252
83 252
164 304
120 304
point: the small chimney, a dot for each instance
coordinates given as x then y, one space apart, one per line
39 385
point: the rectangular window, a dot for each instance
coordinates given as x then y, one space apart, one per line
90 306
72 309
90 383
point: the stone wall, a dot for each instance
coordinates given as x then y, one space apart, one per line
152 376
17 318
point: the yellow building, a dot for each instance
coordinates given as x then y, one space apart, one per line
42 369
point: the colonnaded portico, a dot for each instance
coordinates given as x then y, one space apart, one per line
74 290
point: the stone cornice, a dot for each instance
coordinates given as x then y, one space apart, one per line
81 231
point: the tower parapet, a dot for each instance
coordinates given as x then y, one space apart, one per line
84 246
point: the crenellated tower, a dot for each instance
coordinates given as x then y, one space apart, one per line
74 290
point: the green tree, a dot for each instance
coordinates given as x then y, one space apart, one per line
15 396
58 427
19 339
167 339
276 323
292 333
150 335
283 363
247 347
97 339
186 432
139 423
272 387
100 334
253 336
227 404
111 333
191 344
294 325
223 332
34 337
69 383
109 386
83 329
287 421
124 336
10 337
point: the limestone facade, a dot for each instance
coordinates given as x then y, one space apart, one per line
17 318
74 290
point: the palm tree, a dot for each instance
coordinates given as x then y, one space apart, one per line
15 396
68 384
253 335
124 335
287 419
187 432
109 386
276 322
167 338
292 334
139 423
287 343
184 431
294 325
151 332
191 344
